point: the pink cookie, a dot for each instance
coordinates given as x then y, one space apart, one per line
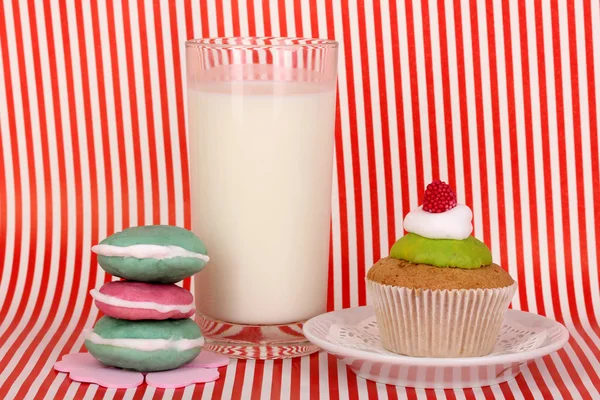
139 300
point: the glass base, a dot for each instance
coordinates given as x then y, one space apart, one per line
255 342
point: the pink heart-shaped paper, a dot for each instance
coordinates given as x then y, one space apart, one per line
208 359
181 377
73 361
108 377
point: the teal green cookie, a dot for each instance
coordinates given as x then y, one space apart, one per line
468 253
153 253
146 345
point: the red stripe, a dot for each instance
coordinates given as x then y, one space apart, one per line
593 132
385 132
295 379
282 18
267 17
371 163
18 188
430 87
79 206
531 176
566 223
332 374
220 20
414 94
514 158
183 151
314 376
147 77
164 109
276 380
259 368
29 157
484 189
238 380
500 196
116 79
235 17
580 182
446 95
354 153
400 118
135 124
463 108
46 261
251 18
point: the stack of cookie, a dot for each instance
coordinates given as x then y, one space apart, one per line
146 326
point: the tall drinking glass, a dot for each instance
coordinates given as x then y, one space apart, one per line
261 115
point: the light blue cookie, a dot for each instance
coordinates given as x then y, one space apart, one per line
153 253
146 345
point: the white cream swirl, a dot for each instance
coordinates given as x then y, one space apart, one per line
142 251
452 224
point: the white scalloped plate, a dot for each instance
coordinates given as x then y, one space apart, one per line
352 336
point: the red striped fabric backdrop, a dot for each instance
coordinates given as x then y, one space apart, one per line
498 97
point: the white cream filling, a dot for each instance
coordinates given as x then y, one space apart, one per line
452 224
148 344
142 251
146 305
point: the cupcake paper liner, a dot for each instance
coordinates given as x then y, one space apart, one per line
439 323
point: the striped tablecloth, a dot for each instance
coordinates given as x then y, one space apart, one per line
500 98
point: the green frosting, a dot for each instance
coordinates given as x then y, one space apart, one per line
113 328
169 270
162 235
468 253
138 360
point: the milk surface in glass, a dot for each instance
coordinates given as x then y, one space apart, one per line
261 160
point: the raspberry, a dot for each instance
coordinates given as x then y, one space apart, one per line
439 197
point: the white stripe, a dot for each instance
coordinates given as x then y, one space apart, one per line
289 18
243 18
286 377
305 378
229 378
265 389
248 380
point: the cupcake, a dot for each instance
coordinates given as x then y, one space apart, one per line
439 294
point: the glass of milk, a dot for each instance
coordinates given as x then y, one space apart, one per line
261 114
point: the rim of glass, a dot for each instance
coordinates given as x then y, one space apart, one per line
240 42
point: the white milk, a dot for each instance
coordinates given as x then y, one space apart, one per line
261 160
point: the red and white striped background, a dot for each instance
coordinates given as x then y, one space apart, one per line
499 97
